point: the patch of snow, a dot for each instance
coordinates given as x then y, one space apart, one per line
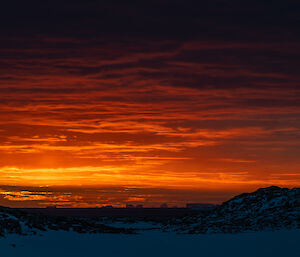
133 225
152 243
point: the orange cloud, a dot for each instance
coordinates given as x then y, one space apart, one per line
185 116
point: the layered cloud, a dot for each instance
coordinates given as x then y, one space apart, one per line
193 110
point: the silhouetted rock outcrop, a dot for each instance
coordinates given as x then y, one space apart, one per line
270 208
14 221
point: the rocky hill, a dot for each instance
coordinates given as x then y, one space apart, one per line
270 208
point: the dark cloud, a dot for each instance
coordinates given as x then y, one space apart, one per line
169 19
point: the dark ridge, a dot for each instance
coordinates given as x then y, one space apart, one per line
266 209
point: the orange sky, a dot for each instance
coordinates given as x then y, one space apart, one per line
92 120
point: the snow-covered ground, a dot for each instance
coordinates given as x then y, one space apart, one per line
141 225
152 243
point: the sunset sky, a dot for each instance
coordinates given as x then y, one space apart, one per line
147 102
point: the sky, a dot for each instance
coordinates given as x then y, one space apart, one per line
147 102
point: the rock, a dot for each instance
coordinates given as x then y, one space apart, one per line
270 208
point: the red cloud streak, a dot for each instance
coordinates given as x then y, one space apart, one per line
122 123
